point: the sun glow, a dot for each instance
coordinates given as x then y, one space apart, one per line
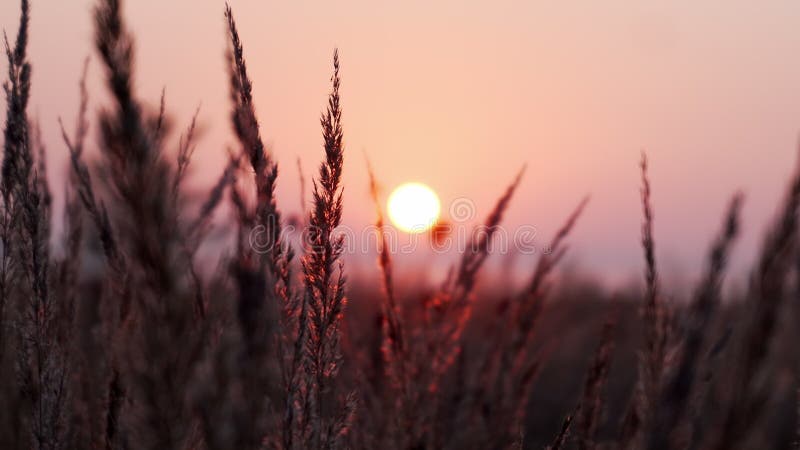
413 207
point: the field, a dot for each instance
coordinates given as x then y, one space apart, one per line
125 338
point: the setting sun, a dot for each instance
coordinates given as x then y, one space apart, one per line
413 207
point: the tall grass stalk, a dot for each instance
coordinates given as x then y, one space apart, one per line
325 281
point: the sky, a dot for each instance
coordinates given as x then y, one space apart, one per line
460 95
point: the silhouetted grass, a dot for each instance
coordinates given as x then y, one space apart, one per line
121 342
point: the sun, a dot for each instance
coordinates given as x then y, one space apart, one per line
413 207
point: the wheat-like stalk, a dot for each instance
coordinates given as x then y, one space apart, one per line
675 393
325 281
394 344
453 304
651 357
767 293
41 364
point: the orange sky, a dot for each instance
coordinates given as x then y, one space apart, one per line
460 94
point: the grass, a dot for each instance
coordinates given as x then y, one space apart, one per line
273 351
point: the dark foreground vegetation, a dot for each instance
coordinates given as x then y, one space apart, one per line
119 340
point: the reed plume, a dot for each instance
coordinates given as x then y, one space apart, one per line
517 369
245 123
393 346
325 281
40 361
766 296
147 366
528 303
653 313
261 277
652 355
98 412
675 393
452 307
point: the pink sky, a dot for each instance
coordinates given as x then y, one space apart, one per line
459 95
